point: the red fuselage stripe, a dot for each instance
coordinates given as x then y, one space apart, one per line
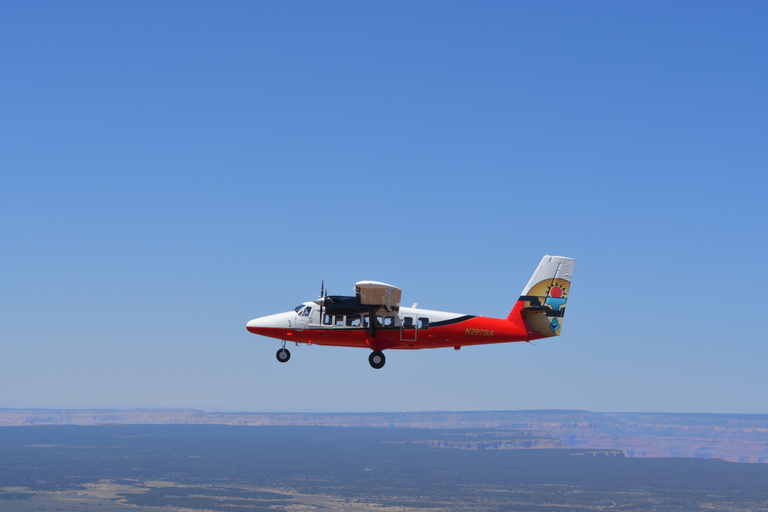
473 331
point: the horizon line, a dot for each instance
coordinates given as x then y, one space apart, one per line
305 412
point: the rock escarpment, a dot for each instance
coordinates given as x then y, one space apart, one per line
732 437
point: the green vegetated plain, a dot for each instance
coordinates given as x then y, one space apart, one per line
214 467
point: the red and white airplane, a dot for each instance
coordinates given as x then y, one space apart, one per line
373 318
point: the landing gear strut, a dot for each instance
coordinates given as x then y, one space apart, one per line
283 355
377 359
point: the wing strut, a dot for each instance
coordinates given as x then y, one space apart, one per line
372 323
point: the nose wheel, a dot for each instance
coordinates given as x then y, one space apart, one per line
283 355
377 359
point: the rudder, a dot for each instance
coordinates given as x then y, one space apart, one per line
546 294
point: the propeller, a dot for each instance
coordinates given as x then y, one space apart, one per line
322 298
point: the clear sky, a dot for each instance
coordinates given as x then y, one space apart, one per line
170 170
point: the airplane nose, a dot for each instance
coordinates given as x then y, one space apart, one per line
253 325
279 321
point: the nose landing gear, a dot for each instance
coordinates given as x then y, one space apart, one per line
376 359
283 355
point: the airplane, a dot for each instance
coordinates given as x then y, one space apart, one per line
374 319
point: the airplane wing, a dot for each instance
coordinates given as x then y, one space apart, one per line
373 293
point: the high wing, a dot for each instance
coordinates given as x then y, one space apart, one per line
374 293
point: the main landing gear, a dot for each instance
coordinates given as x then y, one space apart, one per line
283 355
377 359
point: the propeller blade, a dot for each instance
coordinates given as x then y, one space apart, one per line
322 299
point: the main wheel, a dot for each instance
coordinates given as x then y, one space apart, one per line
377 359
283 355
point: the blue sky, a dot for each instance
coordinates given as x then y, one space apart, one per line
171 170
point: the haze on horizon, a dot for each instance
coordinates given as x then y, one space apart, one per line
170 171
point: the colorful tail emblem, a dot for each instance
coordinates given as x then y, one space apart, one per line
546 294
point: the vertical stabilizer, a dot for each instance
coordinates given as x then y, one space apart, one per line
545 296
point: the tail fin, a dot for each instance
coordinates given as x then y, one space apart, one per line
543 300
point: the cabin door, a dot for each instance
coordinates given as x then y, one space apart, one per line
408 331
302 318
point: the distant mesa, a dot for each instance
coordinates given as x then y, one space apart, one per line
600 453
731 437
492 440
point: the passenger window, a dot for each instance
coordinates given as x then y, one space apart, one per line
378 321
339 320
389 321
407 322
327 319
366 321
353 321
424 323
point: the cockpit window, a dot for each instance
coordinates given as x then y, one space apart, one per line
303 310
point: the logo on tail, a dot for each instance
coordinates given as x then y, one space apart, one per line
545 296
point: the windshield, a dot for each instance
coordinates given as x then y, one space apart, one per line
303 310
